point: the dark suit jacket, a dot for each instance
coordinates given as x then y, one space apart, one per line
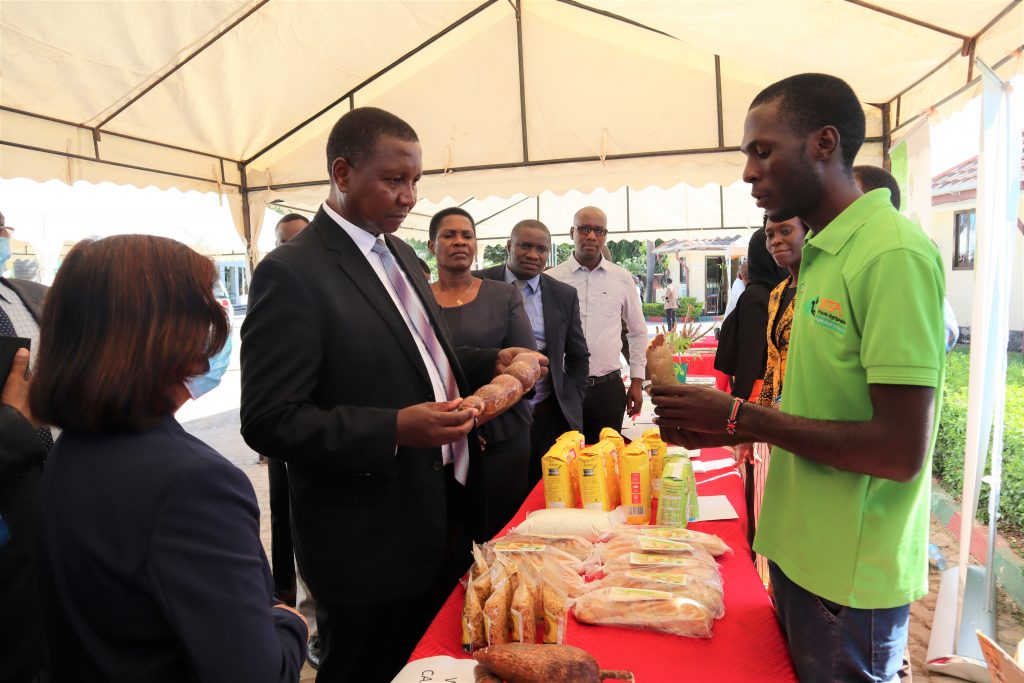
327 362
152 565
566 346
20 445
21 453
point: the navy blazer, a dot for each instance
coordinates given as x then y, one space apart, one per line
152 567
566 349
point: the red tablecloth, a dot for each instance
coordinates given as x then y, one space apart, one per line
746 644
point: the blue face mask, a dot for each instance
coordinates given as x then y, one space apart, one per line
5 252
209 380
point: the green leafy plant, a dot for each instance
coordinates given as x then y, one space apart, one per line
948 459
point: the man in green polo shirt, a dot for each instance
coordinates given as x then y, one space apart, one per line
845 515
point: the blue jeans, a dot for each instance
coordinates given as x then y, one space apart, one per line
831 642
670 318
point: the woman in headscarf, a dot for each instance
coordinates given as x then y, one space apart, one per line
742 347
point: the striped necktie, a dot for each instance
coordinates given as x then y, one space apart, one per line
7 330
421 324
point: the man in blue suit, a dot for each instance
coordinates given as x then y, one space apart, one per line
554 311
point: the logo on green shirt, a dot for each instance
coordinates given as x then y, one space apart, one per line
827 313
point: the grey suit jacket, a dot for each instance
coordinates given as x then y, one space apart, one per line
566 346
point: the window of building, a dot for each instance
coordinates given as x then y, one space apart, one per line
963 240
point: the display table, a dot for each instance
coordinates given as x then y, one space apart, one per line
746 644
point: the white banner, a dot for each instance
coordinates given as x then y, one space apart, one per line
997 209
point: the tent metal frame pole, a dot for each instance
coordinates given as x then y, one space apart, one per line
886 136
510 206
80 126
548 162
628 221
961 89
912 20
718 99
183 62
246 218
522 79
968 48
616 17
351 93
119 164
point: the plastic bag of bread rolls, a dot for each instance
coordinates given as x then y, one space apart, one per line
707 590
709 542
496 609
648 609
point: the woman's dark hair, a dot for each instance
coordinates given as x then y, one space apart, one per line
435 222
761 267
127 320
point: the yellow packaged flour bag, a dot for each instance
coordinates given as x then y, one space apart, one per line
593 478
635 483
656 450
557 474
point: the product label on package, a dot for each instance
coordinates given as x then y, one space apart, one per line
640 559
512 547
664 544
659 577
635 594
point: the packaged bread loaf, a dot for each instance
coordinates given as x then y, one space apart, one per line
474 634
707 591
588 524
648 609
709 542
496 609
700 565
517 543
526 605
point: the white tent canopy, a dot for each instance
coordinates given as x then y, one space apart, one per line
508 96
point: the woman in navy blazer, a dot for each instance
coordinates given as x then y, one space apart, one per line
151 563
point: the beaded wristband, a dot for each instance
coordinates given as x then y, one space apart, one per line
734 413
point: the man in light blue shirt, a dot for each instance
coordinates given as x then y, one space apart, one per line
554 311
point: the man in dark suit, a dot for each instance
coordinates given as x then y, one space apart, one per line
348 375
23 447
554 311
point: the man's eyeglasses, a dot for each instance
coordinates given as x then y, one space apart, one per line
596 229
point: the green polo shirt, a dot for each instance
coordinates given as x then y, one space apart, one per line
868 311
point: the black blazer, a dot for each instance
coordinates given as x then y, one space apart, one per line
21 454
327 362
20 445
566 346
152 567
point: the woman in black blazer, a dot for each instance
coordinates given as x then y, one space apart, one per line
485 314
151 563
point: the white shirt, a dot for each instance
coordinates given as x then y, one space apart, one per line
608 296
734 295
365 241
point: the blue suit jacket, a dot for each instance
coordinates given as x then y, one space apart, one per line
152 567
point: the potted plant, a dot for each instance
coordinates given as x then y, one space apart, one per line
682 338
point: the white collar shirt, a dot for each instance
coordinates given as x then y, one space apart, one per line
608 297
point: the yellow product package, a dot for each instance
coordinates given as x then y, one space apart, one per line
610 449
557 472
612 435
635 483
574 439
656 450
593 480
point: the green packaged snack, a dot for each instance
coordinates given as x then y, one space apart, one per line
673 505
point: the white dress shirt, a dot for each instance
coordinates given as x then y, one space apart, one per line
608 296
365 241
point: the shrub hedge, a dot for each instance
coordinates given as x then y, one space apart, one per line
948 461
685 302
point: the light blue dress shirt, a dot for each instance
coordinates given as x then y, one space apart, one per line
533 302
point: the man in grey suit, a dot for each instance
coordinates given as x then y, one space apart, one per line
554 311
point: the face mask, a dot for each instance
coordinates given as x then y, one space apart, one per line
208 381
5 252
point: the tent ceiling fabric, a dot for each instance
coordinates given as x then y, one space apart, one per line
614 92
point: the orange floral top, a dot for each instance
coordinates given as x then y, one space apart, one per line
778 345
